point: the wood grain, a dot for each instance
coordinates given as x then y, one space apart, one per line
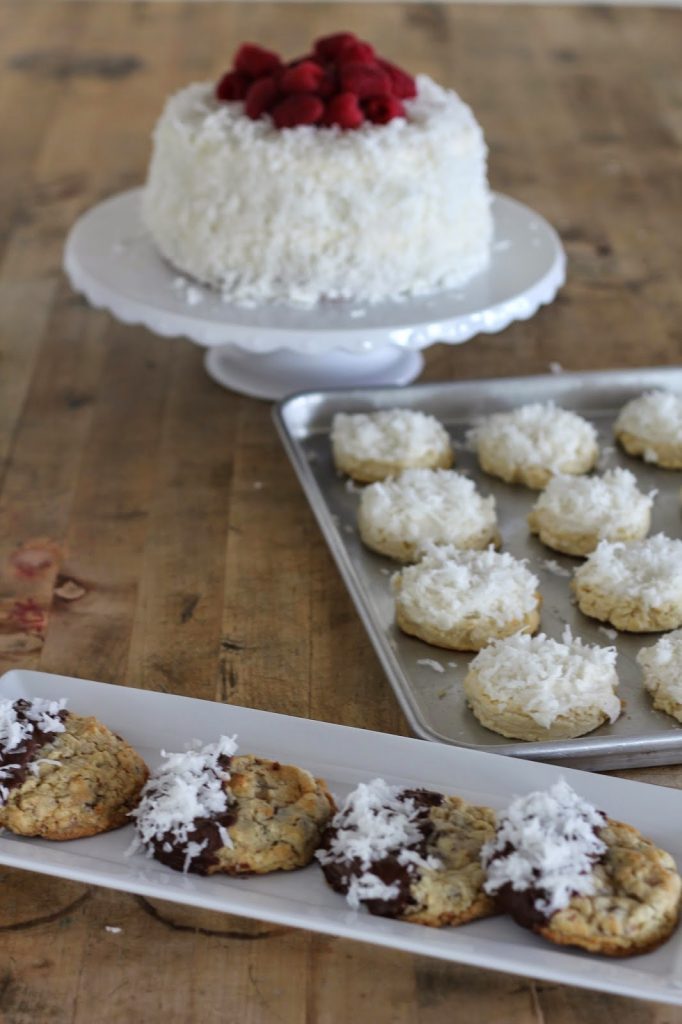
151 530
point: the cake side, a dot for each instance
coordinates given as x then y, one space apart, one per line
384 211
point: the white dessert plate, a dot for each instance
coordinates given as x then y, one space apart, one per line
345 757
271 350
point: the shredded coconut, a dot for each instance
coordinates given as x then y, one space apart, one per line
17 726
648 570
554 847
449 585
308 213
375 821
552 566
431 663
656 416
540 434
390 435
662 665
547 678
612 634
605 505
184 788
423 505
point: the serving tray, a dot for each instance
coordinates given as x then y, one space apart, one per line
343 757
427 680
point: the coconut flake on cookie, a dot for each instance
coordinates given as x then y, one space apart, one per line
649 571
25 727
450 584
595 504
655 416
662 666
389 435
547 842
185 789
547 678
376 821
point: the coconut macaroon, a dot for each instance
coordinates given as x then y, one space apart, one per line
373 446
399 517
651 426
566 871
661 665
533 443
463 599
536 688
636 586
573 515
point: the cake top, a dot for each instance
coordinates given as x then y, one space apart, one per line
375 823
655 416
341 82
455 584
547 842
539 434
182 794
595 502
389 434
550 678
649 570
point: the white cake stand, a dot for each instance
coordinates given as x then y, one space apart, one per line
269 351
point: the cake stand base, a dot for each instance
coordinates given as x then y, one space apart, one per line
274 375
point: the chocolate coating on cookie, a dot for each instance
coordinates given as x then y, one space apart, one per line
27 726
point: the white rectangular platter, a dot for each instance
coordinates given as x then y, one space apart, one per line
427 680
344 757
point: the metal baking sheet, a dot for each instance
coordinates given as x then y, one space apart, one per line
427 680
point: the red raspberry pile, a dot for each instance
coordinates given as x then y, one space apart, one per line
342 82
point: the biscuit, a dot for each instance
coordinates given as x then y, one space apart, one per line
636 586
63 776
574 513
244 814
463 599
650 426
532 443
409 854
401 516
535 688
563 869
373 446
661 665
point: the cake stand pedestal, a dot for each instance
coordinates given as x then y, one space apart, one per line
270 351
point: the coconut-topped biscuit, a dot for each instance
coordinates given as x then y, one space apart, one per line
563 869
400 516
636 586
574 513
410 854
209 810
662 668
651 426
533 443
373 446
63 776
534 688
463 599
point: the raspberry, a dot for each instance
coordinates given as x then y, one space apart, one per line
232 86
328 84
305 77
329 47
404 86
356 51
255 62
260 97
344 110
382 109
364 80
299 108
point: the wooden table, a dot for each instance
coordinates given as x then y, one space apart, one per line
151 530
